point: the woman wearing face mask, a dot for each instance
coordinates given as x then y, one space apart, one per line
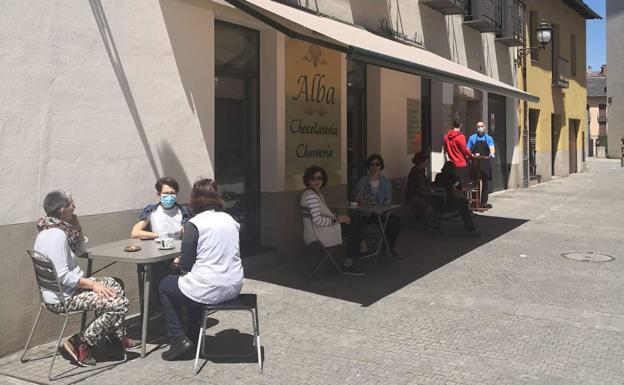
165 217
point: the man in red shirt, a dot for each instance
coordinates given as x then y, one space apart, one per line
457 152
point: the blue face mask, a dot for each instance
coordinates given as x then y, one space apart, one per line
167 201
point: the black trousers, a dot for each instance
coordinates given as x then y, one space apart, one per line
174 306
393 227
461 206
355 233
463 173
485 190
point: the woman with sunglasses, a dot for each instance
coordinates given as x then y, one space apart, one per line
328 227
375 188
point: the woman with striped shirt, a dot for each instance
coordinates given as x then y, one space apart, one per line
328 227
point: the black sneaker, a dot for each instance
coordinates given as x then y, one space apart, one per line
351 270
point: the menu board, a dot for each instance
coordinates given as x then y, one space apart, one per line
414 128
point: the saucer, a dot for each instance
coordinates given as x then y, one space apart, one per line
157 239
165 248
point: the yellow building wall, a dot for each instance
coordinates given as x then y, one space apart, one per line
569 103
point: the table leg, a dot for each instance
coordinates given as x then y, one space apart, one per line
146 293
383 241
83 318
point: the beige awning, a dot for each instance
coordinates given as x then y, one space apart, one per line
365 46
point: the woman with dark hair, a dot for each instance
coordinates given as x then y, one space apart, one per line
210 267
417 184
61 239
376 189
328 227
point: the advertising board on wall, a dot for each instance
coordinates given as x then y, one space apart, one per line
313 112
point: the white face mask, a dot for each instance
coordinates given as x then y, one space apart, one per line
480 130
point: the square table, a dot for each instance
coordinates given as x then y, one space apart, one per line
149 253
380 211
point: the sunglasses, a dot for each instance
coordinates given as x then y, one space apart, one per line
316 178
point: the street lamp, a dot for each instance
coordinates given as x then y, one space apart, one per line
544 36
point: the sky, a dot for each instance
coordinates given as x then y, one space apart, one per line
596 36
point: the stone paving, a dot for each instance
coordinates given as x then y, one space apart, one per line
502 308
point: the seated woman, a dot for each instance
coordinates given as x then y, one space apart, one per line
455 197
60 238
328 225
210 266
417 184
375 188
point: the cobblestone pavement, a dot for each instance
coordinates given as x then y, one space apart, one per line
502 308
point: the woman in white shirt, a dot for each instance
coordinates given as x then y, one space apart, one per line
328 227
60 238
210 266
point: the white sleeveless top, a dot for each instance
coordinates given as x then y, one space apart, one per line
217 274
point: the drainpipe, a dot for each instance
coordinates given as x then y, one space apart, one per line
525 127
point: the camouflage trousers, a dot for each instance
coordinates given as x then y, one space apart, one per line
110 313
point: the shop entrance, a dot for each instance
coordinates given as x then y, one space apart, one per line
573 125
237 153
497 129
356 124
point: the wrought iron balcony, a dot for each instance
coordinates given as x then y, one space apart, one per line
447 7
561 73
512 31
484 15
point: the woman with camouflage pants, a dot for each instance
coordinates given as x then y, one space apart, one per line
60 239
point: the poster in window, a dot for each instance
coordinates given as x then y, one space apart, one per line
414 129
313 113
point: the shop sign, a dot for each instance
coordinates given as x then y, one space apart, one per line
313 113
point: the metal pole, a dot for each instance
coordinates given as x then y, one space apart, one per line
525 127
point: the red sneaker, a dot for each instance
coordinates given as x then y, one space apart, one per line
79 351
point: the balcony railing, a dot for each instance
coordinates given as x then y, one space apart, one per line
447 7
512 31
484 15
561 73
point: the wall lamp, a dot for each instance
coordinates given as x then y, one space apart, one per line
544 36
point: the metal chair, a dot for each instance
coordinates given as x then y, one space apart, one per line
244 302
440 216
47 278
327 253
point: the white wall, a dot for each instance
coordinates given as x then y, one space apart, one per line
387 125
99 98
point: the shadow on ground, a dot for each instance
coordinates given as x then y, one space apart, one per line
421 253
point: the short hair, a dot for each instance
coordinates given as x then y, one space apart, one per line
420 157
204 196
169 182
457 123
55 201
307 174
373 157
449 167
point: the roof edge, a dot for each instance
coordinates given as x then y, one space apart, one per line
583 9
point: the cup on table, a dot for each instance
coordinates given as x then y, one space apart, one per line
166 243
353 204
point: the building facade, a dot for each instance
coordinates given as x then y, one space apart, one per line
557 125
103 97
615 80
597 112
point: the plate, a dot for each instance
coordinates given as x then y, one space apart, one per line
165 248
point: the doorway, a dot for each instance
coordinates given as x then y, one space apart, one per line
236 142
573 125
356 125
555 133
533 119
496 123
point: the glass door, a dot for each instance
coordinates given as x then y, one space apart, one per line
356 125
237 154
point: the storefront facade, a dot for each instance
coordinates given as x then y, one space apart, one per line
102 104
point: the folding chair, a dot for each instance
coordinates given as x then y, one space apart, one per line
327 253
244 302
441 215
47 278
